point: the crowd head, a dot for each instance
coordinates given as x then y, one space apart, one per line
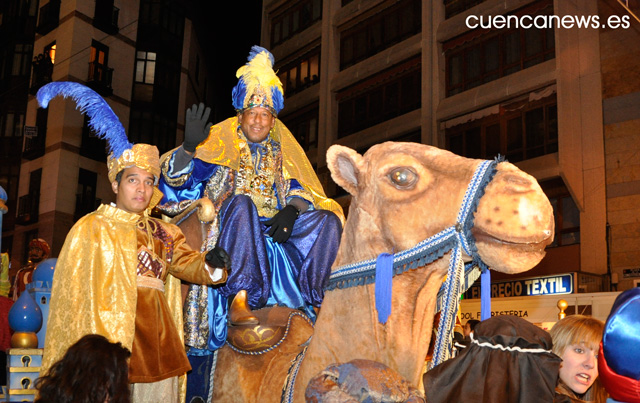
92 370
576 339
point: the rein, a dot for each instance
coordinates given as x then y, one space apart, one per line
457 238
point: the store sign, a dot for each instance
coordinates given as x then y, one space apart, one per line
549 285
626 273
30 131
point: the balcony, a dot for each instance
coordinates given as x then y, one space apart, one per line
455 7
92 146
99 79
28 206
49 17
106 17
42 72
34 145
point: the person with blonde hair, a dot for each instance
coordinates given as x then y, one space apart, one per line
576 339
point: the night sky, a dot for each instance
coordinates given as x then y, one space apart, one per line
231 27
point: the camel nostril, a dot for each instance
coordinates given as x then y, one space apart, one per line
516 183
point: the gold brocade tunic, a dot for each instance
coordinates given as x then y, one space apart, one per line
96 290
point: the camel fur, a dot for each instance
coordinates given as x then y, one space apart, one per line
402 193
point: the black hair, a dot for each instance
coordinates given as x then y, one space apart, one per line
92 370
472 323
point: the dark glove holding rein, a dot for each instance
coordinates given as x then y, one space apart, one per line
196 127
282 223
218 257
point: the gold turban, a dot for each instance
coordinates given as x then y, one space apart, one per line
143 156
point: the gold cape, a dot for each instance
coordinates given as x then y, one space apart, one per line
222 148
94 286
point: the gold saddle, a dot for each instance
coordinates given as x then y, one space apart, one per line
276 323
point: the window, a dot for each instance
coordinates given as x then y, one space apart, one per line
152 128
86 201
145 76
477 58
49 17
91 145
565 212
301 74
304 126
29 204
379 32
294 20
391 93
98 61
164 14
455 7
21 59
50 51
106 16
520 131
13 124
145 67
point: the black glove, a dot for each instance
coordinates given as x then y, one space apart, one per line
218 257
195 128
282 224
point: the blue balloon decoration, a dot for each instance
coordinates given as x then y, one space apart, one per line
44 271
25 315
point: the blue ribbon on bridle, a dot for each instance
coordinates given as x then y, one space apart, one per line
457 238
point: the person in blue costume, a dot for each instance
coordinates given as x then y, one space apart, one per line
280 229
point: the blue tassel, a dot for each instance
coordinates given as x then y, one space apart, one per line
101 117
485 294
500 158
384 274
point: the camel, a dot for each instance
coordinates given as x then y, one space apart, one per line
402 194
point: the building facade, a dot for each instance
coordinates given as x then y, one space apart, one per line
558 100
144 58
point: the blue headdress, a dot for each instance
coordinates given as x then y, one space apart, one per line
258 84
105 123
619 358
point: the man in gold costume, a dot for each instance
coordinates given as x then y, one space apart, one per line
118 270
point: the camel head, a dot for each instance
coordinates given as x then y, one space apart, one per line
403 193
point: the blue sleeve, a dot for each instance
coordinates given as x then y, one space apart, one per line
189 184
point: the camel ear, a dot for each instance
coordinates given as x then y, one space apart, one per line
344 164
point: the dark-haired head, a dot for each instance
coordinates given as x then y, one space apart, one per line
92 370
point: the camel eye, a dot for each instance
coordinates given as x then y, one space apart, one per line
403 177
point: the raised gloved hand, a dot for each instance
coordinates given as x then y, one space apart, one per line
282 223
196 127
218 257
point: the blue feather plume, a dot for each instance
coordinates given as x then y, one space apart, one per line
256 50
238 94
102 119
